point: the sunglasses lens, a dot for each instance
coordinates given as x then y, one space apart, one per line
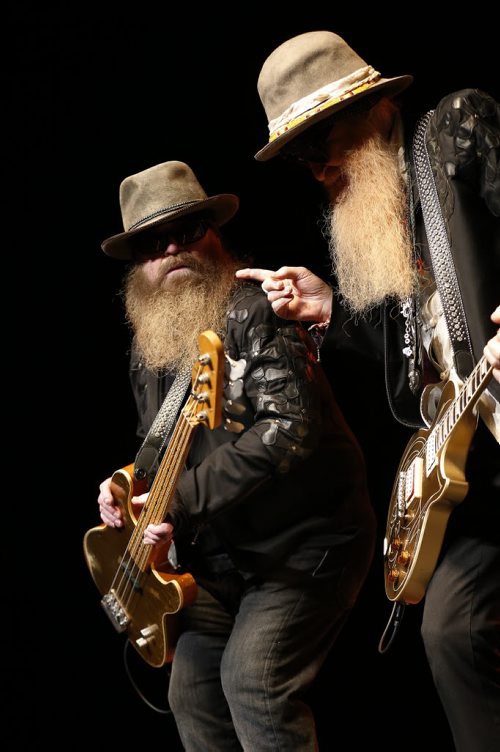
191 233
310 146
305 152
148 246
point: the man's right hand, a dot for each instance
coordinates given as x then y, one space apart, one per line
294 292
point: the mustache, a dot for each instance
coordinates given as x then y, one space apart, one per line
180 259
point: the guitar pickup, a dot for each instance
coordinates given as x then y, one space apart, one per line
430 452
413 481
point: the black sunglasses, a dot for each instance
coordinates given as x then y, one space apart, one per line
155 244
304 153
311 145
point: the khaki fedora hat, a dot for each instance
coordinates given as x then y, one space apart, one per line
310 77
159 195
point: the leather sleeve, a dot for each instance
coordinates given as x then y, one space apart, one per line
464 145
272 408
464 150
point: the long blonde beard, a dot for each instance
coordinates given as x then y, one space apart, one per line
167 322
369 241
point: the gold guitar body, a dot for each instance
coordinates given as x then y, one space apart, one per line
428 485
157 592
141 591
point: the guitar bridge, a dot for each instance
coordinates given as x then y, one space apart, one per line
115 611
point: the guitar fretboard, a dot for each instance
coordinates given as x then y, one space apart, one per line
469 393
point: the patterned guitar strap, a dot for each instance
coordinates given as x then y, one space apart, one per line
146 461
440 251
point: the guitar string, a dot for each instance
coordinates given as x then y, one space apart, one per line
167 476
414 528
443 423
135 568
162 493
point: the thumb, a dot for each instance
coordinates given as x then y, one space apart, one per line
140 499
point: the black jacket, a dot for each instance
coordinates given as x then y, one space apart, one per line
463 142
283 472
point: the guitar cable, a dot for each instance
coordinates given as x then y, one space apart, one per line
163 711
395 620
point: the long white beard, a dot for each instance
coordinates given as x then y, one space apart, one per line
167 322
369 241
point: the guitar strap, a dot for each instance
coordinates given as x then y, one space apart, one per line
440 251
147 457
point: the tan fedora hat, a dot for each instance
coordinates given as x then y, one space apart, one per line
308 78
159 195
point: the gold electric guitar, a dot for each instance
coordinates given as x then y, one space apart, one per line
141 594
430 482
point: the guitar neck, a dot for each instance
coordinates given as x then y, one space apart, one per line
169 471
168 474
465 399
204 405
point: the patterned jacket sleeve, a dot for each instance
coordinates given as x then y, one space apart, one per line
464 151
272 407
464 144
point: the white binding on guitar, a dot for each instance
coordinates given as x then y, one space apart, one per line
140 592
430 481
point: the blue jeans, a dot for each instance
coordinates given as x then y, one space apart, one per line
461 633
237 681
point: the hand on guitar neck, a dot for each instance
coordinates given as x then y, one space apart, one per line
492 348
158 536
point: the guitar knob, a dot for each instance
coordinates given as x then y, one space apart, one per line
404 557
148 635
396 545
149 631
393 575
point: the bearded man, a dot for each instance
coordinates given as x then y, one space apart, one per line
276 576
414 238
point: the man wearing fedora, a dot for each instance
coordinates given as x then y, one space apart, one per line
271 514
413 230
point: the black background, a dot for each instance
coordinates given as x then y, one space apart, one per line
98 92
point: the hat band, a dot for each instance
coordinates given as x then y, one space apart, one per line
321 99
159 212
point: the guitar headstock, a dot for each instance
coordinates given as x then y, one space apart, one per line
205 401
